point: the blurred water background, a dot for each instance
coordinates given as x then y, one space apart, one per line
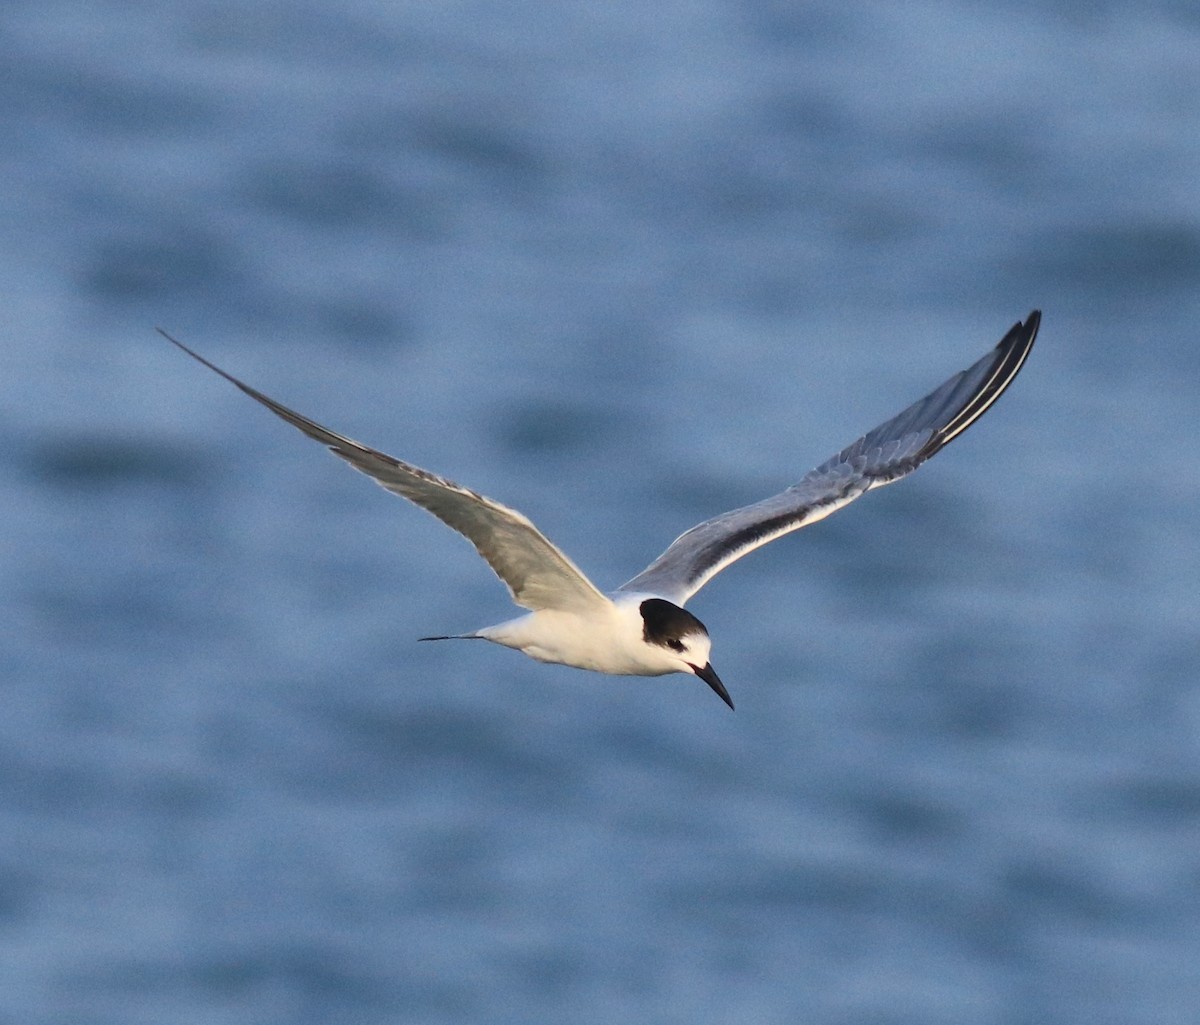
623 266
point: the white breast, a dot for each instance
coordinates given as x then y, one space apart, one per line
608 640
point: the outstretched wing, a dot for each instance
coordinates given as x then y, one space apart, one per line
538 575
881 456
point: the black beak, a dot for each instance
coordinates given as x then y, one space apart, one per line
709 675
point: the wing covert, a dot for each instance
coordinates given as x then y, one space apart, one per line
537 573
885 454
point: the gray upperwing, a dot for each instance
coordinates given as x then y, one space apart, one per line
885 454
538 574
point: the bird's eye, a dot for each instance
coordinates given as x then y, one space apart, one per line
675 645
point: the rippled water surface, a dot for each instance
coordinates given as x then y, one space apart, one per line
623 266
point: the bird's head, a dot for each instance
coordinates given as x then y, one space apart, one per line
682 641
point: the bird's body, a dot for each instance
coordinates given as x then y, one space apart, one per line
610 639
642 628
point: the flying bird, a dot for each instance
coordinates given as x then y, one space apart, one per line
642 628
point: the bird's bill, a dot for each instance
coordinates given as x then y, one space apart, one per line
709 675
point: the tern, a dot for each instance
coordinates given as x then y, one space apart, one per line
642 628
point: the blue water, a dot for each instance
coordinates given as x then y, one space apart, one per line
623 266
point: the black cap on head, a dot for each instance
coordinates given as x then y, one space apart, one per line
666 624
663 621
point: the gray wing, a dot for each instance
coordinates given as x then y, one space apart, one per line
885 454
538 575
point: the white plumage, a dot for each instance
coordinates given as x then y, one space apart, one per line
642 629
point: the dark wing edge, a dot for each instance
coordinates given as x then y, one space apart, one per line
536 572
945 412
883 455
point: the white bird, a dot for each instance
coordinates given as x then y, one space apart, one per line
642 628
